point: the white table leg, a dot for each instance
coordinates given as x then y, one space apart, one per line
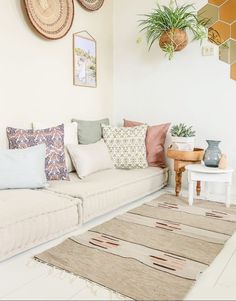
228 192
190 193
206 191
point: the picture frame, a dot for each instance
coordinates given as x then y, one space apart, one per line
84 60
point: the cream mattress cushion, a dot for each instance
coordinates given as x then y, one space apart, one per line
31 217
110 189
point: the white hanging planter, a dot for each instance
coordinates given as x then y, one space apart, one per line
183 143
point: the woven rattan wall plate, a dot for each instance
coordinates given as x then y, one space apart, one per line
51 18
91 4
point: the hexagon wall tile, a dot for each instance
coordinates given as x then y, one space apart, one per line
217 2
233 71
233 30
209 12
224 53
228 11
219 32
228 52
222 29
232 50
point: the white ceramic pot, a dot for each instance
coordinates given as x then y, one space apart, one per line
183 143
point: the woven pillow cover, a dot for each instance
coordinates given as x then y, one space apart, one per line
55 166
126 146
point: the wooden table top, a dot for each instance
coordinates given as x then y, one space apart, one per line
196 155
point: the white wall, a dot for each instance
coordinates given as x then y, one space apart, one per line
191 88
36 75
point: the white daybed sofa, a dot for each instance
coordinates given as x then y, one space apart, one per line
31 217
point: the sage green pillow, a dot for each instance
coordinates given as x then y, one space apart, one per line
90 131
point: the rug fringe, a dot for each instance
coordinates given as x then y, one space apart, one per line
71 278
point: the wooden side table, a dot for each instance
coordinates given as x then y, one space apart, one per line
181 160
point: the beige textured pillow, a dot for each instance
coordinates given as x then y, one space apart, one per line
127 146
91 158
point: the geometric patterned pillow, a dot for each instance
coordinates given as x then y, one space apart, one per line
55 166
127 146
155 142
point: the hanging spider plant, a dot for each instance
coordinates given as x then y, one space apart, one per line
170 24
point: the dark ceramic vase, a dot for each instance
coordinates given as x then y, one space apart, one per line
212 154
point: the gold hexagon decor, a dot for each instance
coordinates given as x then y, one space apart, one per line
233 71
210 12
228 11
222 29
217 2
233 31
219 33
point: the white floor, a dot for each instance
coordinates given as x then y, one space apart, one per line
22 279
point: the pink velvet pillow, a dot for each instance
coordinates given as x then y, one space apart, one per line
155 141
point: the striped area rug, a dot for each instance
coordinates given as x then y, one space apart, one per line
154 252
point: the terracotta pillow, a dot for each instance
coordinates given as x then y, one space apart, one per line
155 141
55 166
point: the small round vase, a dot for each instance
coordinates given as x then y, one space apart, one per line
212 154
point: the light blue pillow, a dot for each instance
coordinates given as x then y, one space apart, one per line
23 168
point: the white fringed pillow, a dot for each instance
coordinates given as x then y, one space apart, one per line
127 146
91 158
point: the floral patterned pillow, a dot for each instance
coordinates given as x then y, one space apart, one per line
55 166
127 146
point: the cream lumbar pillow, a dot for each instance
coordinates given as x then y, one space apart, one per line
127 146
70 137
91 158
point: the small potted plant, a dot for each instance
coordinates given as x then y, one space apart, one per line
183 137
169 25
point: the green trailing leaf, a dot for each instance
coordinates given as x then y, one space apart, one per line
182 130
164 18
169 50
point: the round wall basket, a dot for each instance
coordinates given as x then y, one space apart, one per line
91 4
51 18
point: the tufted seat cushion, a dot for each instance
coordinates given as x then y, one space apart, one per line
108 190
31 217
